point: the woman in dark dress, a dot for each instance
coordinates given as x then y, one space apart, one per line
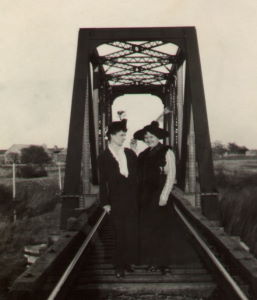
157 172
118 195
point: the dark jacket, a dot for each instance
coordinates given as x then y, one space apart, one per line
156 241
121 193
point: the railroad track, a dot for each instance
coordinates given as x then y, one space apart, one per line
97 279
90 274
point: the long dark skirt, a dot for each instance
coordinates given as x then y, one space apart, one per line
156 241
163 239
125 228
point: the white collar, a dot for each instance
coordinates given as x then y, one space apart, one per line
120 157
115 148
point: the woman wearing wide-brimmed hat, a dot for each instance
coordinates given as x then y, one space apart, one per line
157 172
118 182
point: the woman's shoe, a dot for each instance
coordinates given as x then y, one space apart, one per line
165 270
119 273
152 268
129 269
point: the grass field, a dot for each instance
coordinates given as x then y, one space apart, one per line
237 184
6 171
236 166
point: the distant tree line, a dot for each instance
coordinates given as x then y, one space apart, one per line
219 149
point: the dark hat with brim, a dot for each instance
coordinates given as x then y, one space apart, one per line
154 129
117 126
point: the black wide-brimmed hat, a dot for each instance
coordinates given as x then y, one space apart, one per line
117 126
154 129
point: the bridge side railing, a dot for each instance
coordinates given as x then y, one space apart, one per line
218 248
34 282
70 268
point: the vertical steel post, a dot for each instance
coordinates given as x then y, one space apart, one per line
182 170
166 117
191 156
108 108
96 105
72 180
103 117
180 103
171 119
209 199
100 120
86 142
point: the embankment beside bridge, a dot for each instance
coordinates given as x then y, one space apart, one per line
238 205
37 217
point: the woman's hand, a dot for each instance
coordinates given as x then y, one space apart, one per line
163 201
107 208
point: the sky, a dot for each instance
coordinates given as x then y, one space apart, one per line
38 41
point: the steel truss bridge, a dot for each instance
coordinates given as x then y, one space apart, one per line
164 62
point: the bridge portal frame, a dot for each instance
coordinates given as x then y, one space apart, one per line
82 145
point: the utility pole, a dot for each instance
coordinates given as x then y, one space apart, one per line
59 175
14 190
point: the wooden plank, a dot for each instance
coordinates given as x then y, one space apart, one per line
148 277
177 271
191 289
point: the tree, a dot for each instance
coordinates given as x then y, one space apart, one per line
34 155
234 148
218 149
243 149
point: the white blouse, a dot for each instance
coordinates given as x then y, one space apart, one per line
170 171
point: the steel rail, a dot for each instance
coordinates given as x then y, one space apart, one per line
73 263
241 295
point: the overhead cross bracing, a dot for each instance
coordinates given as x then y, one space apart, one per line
138 63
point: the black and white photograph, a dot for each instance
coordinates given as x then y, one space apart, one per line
128 150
